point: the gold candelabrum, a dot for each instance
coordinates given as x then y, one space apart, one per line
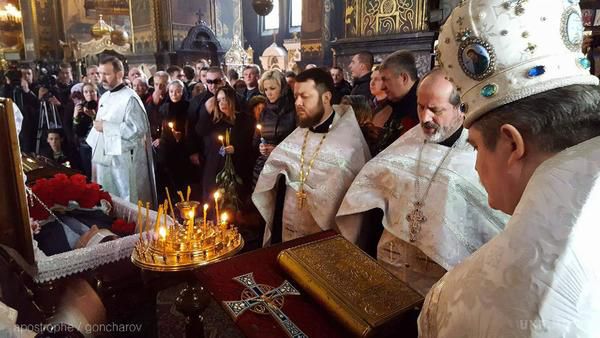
171 245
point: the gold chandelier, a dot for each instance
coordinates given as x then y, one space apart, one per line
10 17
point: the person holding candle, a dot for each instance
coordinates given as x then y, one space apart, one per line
172 152
277 120
214 123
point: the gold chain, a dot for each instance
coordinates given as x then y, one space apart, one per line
303 174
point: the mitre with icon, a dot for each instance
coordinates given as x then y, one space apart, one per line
500 51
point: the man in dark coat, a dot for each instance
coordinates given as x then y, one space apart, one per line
360 68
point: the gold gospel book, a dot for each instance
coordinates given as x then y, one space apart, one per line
351 285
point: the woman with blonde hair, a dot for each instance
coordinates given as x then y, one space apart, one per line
278 118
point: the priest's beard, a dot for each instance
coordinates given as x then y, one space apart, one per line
442 132
307 119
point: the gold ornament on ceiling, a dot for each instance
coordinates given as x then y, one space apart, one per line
101 28
119 37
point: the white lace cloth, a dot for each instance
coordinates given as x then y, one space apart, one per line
75 261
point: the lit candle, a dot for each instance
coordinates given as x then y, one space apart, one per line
205 211
172 126
162 233
259 129
224 218
216 195
221 139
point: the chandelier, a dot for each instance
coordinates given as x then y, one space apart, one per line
10 18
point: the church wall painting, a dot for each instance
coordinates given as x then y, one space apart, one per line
144 28
184 15
381 17
228 21
80 15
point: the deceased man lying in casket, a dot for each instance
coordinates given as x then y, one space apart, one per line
69 213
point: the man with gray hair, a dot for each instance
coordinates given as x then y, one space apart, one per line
120 139
441 215
399 75
93 76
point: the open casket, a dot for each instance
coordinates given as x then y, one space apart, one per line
16 237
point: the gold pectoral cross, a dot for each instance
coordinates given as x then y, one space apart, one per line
301 198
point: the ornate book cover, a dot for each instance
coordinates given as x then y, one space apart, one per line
354 287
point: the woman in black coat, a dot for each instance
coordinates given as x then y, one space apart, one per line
212 124
172 151
277 120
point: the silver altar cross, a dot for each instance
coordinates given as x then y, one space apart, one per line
267 298
415 218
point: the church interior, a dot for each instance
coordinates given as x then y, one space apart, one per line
164 175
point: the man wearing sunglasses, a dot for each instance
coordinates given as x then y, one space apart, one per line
214 81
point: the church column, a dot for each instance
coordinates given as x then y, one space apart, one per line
30 31
46 16
316 32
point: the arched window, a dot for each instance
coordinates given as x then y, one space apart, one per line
271 21
295 15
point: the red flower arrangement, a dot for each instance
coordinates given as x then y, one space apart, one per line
61 189
122 228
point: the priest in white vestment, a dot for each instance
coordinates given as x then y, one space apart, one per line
120 139
306 176
534 120
456 217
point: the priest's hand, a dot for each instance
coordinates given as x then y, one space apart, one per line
229 150
156 143
98 126
265 149
195 159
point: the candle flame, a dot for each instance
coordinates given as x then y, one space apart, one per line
162 232
259 127
191 214
216 195
224 217
205 207
221 138
171 125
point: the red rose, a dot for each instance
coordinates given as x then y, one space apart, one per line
91 197
105 196
119 226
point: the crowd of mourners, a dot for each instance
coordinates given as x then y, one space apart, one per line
189 107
